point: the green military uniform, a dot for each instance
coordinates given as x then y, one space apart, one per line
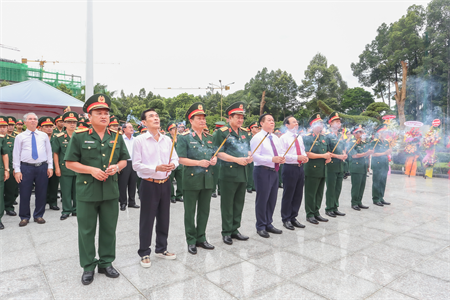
176 174
198 182
3 151
216 168
96 199
12 121
335 169
250 167
56 130
232 176
11 190
315 170
380 167
358 169
67 178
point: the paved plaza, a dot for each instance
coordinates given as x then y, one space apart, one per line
399 251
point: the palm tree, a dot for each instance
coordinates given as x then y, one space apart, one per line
251 102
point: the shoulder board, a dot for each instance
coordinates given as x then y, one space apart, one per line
16 132
223 128
59 134
309 134
2 136
207 134
186 133
81 130
115 131
375 140
245 129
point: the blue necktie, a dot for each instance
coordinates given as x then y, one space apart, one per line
34 152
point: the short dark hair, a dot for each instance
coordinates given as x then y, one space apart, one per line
286 120
262 118
143 117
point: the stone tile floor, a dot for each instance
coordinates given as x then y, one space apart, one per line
399 251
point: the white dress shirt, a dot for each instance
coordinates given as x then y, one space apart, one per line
285 141
129 144
149 153
263 156
22 149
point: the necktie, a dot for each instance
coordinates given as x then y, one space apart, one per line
34 152
297 146
275 153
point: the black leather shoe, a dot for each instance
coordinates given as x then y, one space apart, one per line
321 219
123 207
173 200
355 207
249 191
74 214
338 213
280 185
179 200
192 249
11 213
205 245
385 203
362 206
239 236
297 224
214 195
330 214
15 203
109 272
54 207
134 206
274 230
312 220
288 225
379 203
2 226
63 217
227 240
87 277
263 233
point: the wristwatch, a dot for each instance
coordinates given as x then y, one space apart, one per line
7 170
117 168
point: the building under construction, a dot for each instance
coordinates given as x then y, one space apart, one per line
14 72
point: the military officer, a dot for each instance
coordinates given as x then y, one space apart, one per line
235 155
216 168
195 150
315 169
11 125
97 189
11 187
113 123
4 171
45 124
254 129
19 126
59 125
380 165
66 177
178 172
335 169
358 151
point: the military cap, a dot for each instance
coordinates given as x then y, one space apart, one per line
277 130
57 118
97 101
70 116
3 121
82 125
194 110
113 120
44 121
253 125
11 120
235 108
181 124
170 126
67 109
382 127
20 122
220 124
142 128
81 119
357 129
333 116
315 118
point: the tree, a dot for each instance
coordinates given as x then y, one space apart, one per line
348 120
4 83
63 88
377 110
322 83
355 100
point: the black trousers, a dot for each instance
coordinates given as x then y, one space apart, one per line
293 182
127 182
38 176
155 203
266 184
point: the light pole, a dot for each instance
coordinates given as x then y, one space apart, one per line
225 87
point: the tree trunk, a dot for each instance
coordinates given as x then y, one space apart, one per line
263 102
400 96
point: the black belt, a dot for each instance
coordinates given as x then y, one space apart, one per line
33 165
295 165
267 168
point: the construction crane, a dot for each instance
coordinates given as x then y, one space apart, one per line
41 62
9 47
211 88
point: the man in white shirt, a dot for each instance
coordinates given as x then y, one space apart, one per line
33 163
293 174
128 176
153 160
267 162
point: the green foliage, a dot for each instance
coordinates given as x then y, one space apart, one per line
377 110
4 83
355 100
348 120
63 88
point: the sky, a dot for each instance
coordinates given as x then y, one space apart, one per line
190 44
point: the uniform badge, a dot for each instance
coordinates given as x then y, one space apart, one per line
200 107
101 99
209 142
318 116
89 142
111 142
71 115
243 136
241 106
